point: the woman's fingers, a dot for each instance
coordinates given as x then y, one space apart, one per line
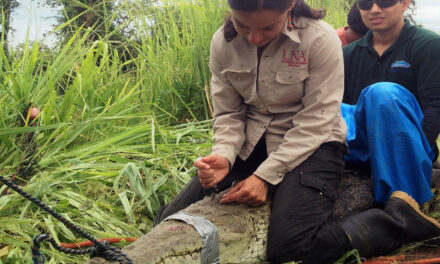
205 181
206 174
201 164
240 197
215 161
256 204
210 158
247 192
232 195
243 197
207 178
211 169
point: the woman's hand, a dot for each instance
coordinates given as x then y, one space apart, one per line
252 191
211 169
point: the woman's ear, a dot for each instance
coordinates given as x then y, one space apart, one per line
292 4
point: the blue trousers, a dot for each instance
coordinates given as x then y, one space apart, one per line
385 131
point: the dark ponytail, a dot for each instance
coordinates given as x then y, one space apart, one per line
229 31
300 9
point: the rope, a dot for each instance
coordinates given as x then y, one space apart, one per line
90 243
401 259
38 258
100 249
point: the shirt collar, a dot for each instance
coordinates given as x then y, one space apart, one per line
292 34
407 31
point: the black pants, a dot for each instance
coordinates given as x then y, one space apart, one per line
300 227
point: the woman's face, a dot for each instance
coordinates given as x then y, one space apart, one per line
259 27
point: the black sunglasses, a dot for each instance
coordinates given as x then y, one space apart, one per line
368 4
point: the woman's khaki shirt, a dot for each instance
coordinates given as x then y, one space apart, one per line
292 96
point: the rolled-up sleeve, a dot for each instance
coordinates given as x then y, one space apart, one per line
229 112
313 125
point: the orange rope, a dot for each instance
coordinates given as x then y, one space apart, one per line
423 261
89 243
6 191
384 259
400 260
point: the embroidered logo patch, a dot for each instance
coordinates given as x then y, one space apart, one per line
294 58
400 66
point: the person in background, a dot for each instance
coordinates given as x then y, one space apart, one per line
392 110
356 28
277 86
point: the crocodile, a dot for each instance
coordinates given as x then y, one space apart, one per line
242 236
242 230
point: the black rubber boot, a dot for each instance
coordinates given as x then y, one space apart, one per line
377 232
419 227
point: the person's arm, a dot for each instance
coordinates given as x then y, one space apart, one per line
228 122
428 86
431 120
345 53
313 125
229 111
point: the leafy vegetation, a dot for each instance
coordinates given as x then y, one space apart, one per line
124 112
116 135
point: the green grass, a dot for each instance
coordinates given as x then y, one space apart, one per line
115 139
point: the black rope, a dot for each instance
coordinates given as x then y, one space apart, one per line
38 258
100 249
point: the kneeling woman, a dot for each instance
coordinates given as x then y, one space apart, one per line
277 85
